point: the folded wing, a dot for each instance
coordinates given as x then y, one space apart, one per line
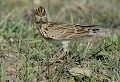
67 32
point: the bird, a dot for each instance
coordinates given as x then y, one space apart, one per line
61 33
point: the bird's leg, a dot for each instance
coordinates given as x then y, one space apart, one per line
61 55
65 45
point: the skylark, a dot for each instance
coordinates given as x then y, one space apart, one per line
57 33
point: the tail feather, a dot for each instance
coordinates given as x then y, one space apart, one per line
94 30
86 26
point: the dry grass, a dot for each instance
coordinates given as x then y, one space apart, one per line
24 54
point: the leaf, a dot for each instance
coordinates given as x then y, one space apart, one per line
77 71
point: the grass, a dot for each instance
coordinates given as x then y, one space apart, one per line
24 53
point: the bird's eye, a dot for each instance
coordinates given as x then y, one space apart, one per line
45 19
37 19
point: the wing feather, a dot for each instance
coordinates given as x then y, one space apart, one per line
65 32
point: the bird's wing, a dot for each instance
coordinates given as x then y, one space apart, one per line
65 32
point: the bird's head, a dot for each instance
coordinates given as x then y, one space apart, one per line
40 15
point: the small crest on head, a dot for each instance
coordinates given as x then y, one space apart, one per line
40 11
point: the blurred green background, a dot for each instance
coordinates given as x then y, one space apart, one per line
23 53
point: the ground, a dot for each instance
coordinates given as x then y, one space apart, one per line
24 54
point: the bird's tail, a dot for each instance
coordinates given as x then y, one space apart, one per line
93 29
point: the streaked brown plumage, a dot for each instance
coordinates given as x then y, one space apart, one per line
58 33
